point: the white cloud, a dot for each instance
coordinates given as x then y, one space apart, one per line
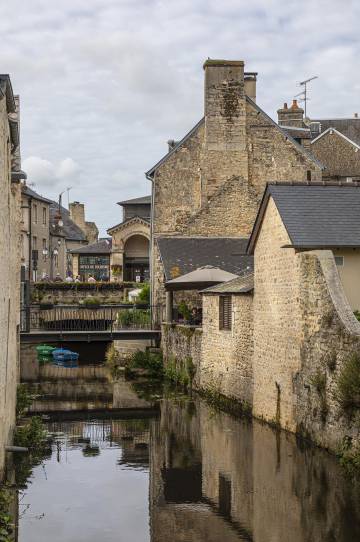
107 82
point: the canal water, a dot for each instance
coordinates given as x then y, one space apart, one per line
183 472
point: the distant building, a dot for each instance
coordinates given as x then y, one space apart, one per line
92 260
131 242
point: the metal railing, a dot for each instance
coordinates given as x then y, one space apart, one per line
90 318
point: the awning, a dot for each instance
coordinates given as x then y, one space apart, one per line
201 278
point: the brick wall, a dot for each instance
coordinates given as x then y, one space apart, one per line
226 355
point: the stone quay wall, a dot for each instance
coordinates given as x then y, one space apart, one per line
181 347
226 355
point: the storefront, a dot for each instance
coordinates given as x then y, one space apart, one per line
95 266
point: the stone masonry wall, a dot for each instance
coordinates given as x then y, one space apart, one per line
226 356
339 156
9 286
304 331
276 322
181 343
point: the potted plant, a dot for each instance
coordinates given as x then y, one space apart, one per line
184 311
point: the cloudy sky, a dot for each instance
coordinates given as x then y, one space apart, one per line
105 83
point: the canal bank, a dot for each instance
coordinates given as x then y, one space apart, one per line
187 473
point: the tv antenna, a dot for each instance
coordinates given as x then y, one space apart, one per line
304 97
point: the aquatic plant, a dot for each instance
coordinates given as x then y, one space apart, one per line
152 362
6 521
23 399
113 361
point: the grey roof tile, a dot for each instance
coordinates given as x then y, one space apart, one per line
102 246
70 229
349 127
144 200
315 215
185 254
240 285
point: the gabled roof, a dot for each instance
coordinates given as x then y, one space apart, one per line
102 246
348 127
125 223
71 230
333 130
145 200
180 255
288 135
240 285
32 194
315 215
175 148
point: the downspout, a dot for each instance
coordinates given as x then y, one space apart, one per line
152 180
30 237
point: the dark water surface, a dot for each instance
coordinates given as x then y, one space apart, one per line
187 475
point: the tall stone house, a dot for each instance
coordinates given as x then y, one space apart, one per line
10 175
131 241
210 183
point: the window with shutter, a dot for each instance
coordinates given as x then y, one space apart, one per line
225 312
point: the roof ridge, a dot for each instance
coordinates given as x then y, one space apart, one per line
314 183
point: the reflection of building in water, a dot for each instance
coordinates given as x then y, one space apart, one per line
214 478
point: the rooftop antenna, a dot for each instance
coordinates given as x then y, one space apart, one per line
304 95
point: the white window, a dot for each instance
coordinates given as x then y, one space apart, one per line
339 260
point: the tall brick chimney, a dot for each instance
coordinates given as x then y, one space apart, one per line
77 214
250 84
291 116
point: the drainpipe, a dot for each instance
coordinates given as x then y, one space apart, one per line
30 238
152 180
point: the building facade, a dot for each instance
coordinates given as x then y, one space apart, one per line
131 242
10 175
92 260
211 182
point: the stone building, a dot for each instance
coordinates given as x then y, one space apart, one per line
92 260
77 215
43 251
131 242
10 175
210 183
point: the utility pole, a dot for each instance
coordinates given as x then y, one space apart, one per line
304 97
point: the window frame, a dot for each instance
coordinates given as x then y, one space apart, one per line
225 313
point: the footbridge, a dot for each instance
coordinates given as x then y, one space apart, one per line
69 323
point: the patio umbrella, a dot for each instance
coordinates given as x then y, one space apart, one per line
201 278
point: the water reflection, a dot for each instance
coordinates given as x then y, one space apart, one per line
188 475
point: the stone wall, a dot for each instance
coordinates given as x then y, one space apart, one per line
180 344
340 157
9 286
304 332
226 355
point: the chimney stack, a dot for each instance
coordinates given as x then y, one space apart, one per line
291 116
77 214
250 84
225 106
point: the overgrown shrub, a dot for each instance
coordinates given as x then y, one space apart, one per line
349 456
112 361
6 521
144 295
318 380
348 383
184 310
151 361
23 399
90 301
134 318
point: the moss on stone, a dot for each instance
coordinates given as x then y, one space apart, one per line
219 401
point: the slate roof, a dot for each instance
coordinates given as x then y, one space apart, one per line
316 215
102 246
181 255
145 200
71 230
240 285
32 194
349 127
293 131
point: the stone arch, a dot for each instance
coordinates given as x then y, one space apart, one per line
136 257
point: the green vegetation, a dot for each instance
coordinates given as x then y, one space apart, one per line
90 301
6 521
180 372
34 437
349 457
23 399
144 295
152 362
91 450
134 318
184 310
357 315
348 383
113 362
318 380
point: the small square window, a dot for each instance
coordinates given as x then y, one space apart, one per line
339 260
